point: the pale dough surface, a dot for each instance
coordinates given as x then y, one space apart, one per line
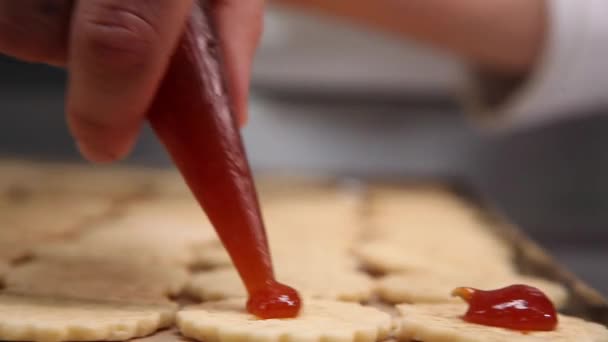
44 319
393 257
425 217
4 268
165 231
429 230
33 220
314 281
302 231
98 280
211 255
427 287
442 323
319 321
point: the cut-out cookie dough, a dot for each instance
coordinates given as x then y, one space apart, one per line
117 182
424 218
390 257
44 319
4 267
211 255
19 174
443 323
319 321
97 280
433 288
148 238
46 214
33 221
314 281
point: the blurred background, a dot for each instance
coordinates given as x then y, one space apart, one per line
331 99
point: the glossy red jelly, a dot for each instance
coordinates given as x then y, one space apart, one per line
516 307
193 120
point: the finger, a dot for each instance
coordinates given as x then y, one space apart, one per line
239 26
35 30
118 53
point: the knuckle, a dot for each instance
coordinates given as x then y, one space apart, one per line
119 37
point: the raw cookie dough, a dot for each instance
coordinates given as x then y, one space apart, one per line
285 254
89 279
211 255
395 257
427 287
37 219
431 219
319 321
443 323
4 267
148 237
44 319
313 281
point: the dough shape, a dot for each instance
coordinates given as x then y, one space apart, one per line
429 224
443 323
319 321
148 233
33 220
19 174
301 231
314 281
44 319
4 268
212 255
394 257
427 287
88 279
100 180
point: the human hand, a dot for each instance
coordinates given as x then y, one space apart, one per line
116 53
502 35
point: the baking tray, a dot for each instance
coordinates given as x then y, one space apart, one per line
530 258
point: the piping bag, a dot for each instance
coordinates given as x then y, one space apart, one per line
192 117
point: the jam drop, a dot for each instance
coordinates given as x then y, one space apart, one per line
275 300
192 118
516 307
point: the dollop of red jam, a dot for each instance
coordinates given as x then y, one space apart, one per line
516 307
275 300
192 118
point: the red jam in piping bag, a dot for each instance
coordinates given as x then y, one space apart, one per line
516 307
192 118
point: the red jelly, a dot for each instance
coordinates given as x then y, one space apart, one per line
193 120
516 307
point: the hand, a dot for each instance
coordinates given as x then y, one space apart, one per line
503 35
116 53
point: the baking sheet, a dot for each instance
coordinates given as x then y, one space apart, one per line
531 259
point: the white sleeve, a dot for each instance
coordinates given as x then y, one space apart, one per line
570 79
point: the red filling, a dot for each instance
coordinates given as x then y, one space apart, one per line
516 307
192 118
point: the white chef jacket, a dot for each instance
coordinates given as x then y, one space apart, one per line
570 79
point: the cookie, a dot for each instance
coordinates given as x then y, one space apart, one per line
46 319
443 323
326 321
4 267
149 234
38 219
211 255
88 279
394 257
313 281
427 287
